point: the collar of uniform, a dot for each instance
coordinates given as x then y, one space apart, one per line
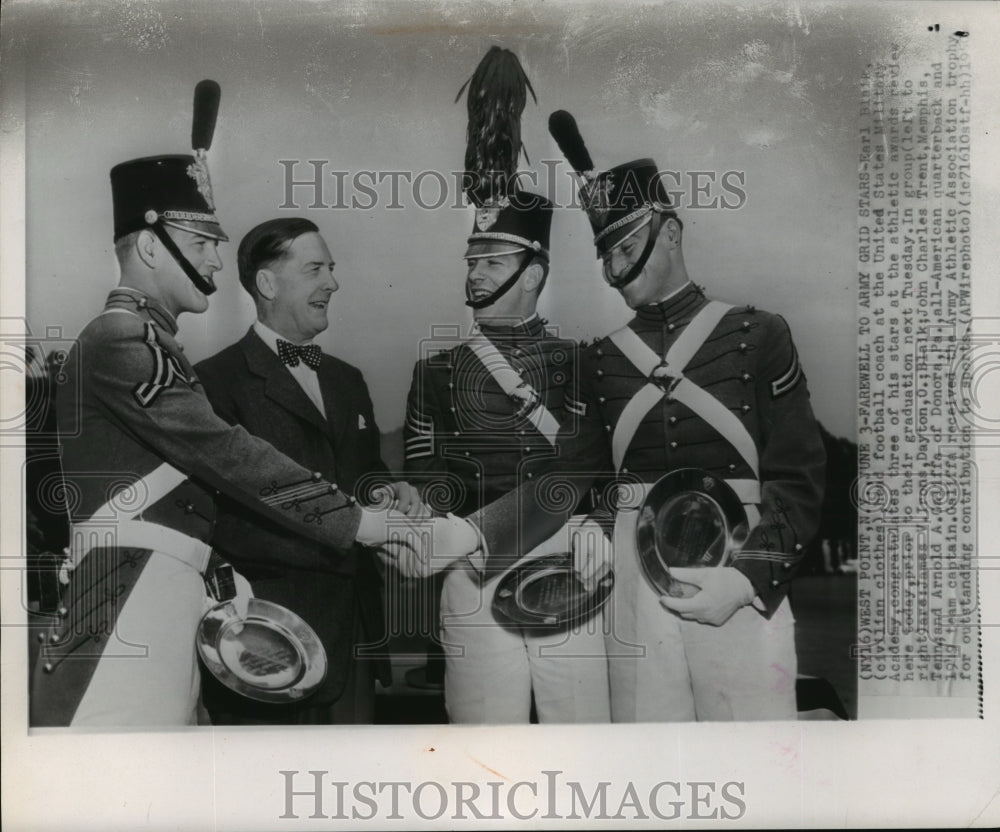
125 297
676 305
271 338
508 330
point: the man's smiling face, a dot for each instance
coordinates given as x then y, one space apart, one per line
303 282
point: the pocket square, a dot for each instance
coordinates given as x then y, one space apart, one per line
362 424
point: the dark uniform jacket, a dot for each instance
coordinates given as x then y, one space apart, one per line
466 441
750 364
248 385
130 403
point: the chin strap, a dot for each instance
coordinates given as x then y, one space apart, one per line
201 284
508 284
654 231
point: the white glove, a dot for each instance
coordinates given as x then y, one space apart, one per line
593 553
373 530
243 594
402 497
723 590
420 547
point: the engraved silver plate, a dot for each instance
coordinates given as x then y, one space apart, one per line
689 518
271 655
547 592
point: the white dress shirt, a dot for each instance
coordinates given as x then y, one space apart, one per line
303 374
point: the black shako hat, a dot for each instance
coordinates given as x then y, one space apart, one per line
614 199
618 197
520 222
620 201
175 190
159 191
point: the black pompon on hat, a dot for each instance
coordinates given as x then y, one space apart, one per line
173 189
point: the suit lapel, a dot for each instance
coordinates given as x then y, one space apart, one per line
279 384
333 397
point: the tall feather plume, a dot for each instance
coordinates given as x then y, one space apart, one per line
206 110
497 95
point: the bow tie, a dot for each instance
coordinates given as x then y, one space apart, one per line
290 354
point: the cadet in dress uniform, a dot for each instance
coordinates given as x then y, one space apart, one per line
150 454
694 382
482 418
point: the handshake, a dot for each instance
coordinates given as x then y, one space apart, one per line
401 527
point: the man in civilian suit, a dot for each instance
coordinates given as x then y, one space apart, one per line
316 409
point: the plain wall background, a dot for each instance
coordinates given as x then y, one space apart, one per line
769 90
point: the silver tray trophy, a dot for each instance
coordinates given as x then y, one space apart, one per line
547 592
689 518
270 655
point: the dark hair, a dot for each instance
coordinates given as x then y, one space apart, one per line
266 243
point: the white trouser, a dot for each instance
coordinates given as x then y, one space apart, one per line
162 614
492 669
665 669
